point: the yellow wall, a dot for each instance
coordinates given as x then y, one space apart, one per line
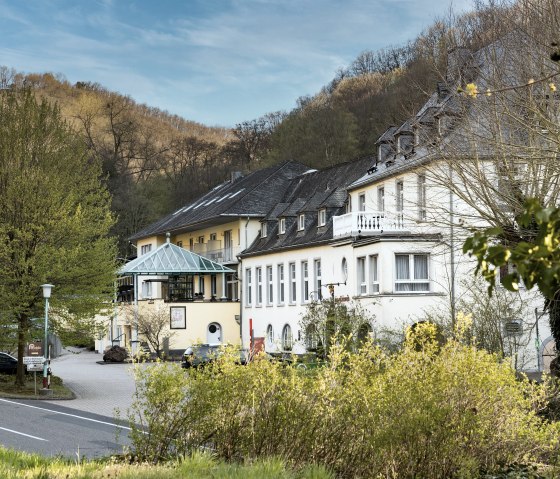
198 317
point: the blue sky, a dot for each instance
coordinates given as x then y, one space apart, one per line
216 62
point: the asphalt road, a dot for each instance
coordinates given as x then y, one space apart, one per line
52 429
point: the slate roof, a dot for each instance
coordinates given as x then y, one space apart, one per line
172 259
308 194
253 195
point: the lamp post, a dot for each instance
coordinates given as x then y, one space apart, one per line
47 288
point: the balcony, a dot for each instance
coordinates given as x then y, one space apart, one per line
368 223
218 255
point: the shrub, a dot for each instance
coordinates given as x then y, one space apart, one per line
438 412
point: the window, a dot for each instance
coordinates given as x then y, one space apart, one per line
361 279
263 230
287 338
146 289
381 199
249 287
213 287
422 197
191 243
400 196
304 282
318 283
282 226
145 248
201 285
281 284
269 285
180 244
344 267
322 219
373 274
292 272
362 202
400 202
301 222
201 239
258 272
213 237
411 273
270 335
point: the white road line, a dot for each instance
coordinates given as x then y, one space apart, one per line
65 414
23 434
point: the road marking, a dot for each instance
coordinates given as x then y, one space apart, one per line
65 414
23 434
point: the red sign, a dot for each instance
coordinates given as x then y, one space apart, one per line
35 349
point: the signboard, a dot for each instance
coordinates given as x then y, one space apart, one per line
34 367
35 349
37 360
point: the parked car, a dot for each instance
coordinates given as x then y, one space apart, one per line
200 355
8 364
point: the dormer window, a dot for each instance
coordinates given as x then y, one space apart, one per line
322 219
263 230
301 222
282 225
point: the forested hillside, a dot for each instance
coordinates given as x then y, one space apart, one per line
155 161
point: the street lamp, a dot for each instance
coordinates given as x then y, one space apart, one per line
47 288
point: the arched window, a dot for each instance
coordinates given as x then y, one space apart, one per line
287 338
270 335
312 338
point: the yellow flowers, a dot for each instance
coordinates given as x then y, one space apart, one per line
471 90
552 86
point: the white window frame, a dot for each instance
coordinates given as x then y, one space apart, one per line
258 274
381 199
270 335
287 338
373 265
145 249
248 286
213 286
269 286
201 285
322 217
318 278
301 222
292 283
412 284
361 280
422 197
264 230
305 282
281 283
362 202
146 289
282 226
399 196
213 237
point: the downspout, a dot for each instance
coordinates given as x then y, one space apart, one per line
241 277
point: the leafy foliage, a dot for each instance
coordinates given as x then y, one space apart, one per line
435 413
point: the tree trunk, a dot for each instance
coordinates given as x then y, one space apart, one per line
22 329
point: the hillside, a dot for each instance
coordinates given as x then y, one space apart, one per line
155 162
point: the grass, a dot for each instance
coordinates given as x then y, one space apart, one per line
8 388
21 465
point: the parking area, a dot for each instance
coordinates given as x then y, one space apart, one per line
99 388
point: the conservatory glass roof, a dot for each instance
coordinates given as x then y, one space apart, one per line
172 259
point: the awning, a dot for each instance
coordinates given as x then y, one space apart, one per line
171 259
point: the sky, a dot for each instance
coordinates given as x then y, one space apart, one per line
217 62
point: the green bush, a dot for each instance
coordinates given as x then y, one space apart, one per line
446 411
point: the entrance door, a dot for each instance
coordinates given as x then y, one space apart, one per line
214 334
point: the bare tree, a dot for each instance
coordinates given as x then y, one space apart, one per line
153 326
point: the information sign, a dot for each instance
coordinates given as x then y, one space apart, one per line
37 360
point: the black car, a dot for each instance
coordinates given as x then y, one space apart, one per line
200 355
8 364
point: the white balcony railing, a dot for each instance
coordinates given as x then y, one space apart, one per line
367 223
220 255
